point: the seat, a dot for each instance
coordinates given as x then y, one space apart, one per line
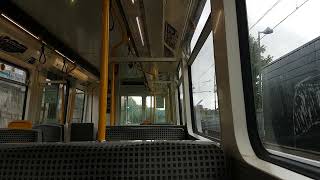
20 124
20 136
82 132
51 132
114 160
145 132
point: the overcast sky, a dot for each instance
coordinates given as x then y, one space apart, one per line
203 76
298 29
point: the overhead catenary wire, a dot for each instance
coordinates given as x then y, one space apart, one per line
205 72
264 15
298 7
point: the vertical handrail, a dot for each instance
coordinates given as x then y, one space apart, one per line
104 71
113 99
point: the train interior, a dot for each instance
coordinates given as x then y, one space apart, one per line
132 89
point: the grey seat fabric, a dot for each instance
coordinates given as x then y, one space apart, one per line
51 132
152 132
82 132
115 160
19 135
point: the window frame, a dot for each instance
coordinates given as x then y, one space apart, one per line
83 103
205 33
252 126
19 83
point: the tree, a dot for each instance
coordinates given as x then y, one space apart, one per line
135 111
131 112
258 61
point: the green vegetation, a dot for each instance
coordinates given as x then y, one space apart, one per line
133 114
257 63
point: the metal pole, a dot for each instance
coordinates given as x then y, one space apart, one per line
113 98
259 39
260 68
104 71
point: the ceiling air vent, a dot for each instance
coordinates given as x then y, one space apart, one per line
12 46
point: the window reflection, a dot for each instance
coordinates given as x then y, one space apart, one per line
285 70
204 92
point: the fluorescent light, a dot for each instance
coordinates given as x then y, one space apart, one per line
63 56
140 31
132 1
25 30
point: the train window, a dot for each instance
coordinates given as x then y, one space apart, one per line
284 47
204 95
156 109
51 104
131 110
12 93
77 116
205 12
181 104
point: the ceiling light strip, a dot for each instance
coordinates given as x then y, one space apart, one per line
24 29
64 56
140 31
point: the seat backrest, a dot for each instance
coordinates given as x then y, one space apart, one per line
20 124
51 132
116 160
144 132
20 136
82 132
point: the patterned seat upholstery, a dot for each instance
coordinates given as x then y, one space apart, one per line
140 160
19 135
51 132
82 132
152 132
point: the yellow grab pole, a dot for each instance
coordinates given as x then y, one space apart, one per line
104 71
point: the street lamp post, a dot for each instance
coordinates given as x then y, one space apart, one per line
267 31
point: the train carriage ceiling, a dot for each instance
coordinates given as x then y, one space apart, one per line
77 24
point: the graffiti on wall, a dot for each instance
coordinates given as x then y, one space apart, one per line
306 108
